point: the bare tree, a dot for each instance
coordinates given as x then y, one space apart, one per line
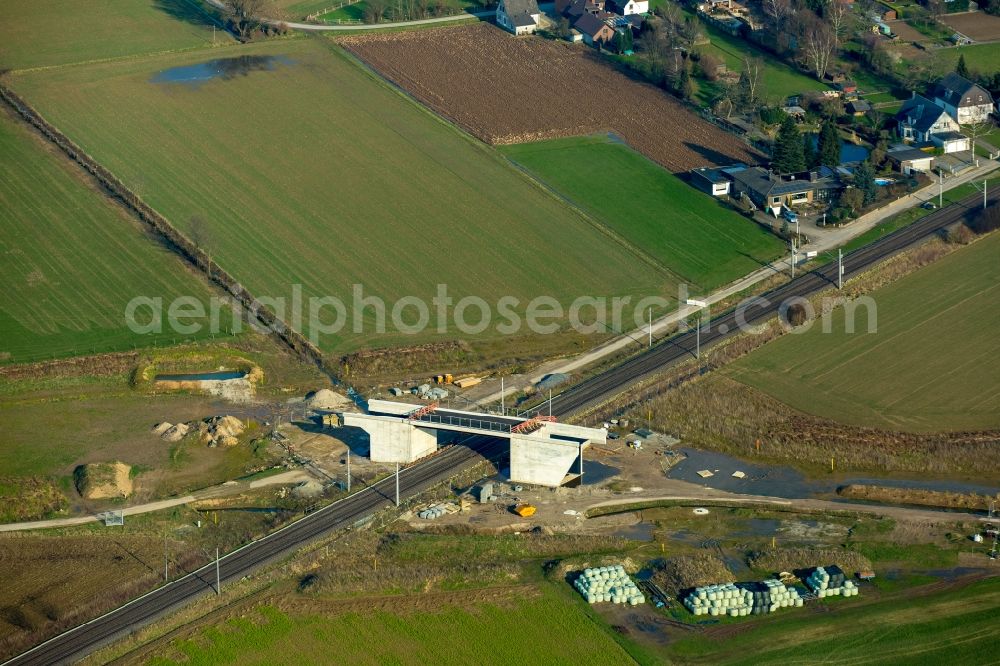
751 80
975 129
374 11
817 45
246 15
837 15
778 11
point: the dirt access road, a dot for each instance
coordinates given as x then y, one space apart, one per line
223 490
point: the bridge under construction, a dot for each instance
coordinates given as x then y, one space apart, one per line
542 451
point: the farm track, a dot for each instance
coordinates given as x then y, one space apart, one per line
505 90
88 637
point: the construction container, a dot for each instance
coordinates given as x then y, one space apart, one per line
525 510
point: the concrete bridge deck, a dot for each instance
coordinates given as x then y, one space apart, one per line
541 452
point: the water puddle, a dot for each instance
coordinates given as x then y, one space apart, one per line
637 532
202 376
221 68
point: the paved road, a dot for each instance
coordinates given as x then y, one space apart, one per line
86 638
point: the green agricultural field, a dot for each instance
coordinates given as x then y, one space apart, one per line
314 172
42 33
958 626
691 234
930 366
73 260
549 629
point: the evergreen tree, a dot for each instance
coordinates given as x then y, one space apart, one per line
961 68
684 85
787 156
864 180
616 43
829 145
809 152
627 43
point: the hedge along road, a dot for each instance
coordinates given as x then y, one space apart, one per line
218 4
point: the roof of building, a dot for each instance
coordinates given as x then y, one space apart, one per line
920 112
520 11
713 176
859 106
949 136
591 25
766 183
959 91
580 7
904 153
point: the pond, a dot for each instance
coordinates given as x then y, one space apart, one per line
221 68
850 152
222 375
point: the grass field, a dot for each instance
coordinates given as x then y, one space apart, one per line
957 626
327 177
72 259
549 629
979 57
930 365
695 237
54 423
42 33
779 81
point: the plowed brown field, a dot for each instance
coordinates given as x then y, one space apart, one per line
505 90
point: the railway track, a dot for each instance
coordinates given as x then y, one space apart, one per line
84 639
672 351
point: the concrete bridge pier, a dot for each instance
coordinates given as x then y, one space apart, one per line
395 441
544 462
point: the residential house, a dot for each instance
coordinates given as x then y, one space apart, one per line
858 107
771 192
577 8
964 100
518 16
595 30
919 118
628 7
711 181
909 160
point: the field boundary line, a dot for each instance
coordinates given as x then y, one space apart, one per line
494 154
596 223
187 250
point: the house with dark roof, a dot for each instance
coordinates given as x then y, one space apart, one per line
772 192
595 29
711 181
965 101
858 107
518 16
919 118
628 7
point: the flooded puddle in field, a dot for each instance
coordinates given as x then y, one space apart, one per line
221 68
637 532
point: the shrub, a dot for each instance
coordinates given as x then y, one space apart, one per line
984 220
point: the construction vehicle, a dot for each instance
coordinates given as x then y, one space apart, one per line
524 510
